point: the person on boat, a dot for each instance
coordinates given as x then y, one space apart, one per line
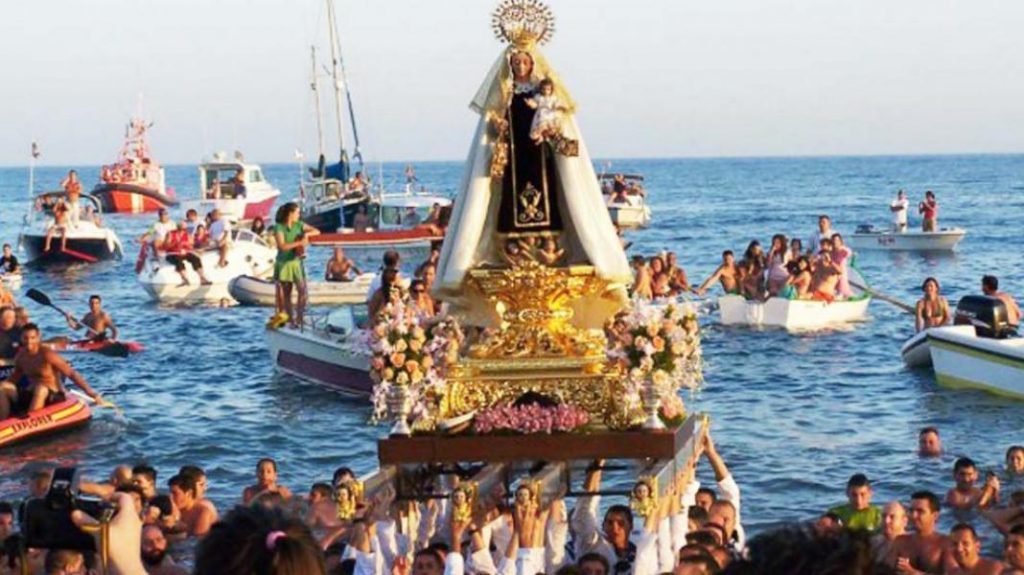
677 280
796 249
157 233
619 190
258 227
361 222
390 290
10 333
238 184
827 274
929 210
752 272
23 316
390 260
726 273
201 239
841 256
925 548
96 320
42 367
73 190
433 220
778 259
59 226
420 300
798 285
990 287
191 220
266 482
411 218
824 233
220 236
9 262
932 310
340 268
899 208
292 236
178 249
214 193
966 494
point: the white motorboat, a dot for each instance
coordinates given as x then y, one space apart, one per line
248 255
219 189
329 207
335 355
87 241
980 352
871 238
795 314
249 290
916 352
628 209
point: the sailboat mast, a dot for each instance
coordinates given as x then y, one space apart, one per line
332 29
316 96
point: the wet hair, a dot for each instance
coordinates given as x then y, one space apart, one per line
595 558
145 470
991 282
928 429
964 527
341 472
727 253
858 480
624 511
931 498
30 327
701 537
95 297
183 482
929 279
259 541
192 471
1013 449
323 489
272 463
964 463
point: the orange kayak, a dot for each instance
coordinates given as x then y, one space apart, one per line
62 416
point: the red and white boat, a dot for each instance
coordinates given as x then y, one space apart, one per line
396 222
234 187
135 183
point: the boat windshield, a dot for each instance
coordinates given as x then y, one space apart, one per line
347 319
243 235
403 216
219 182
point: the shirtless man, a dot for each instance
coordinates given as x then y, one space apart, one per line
196 519
1013 551
966 495
42 366
677 280
965 554
96 322
266 482
928 443
894 524
990 287
322 512
923 550
826 278
340 268
726 273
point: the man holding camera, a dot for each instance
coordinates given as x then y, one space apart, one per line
42 366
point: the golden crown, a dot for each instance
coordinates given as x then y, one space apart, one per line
523 23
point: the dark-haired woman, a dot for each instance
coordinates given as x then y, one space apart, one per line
292 237
932 309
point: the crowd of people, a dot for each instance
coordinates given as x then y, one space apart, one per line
687 529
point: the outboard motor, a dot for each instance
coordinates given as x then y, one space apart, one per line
987 315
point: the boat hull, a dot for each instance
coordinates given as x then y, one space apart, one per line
235 210
961 359
131 199
632 215
415 243
939 241
248 290
312 356
79 249
916 352
790 314
58 417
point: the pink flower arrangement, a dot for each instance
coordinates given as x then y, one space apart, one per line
531 418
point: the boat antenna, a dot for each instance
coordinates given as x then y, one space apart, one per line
335 75
315 85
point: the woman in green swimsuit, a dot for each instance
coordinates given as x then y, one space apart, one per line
292 237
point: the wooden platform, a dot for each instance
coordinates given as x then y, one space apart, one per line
515 448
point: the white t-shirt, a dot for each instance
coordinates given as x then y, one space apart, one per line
899 216
161 229
219 230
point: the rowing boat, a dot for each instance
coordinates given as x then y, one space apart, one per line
796 314
61 416
872 238
249 290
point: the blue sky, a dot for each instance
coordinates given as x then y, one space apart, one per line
653 78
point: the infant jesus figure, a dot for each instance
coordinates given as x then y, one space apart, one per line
547 121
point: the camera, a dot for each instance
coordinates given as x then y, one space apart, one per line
46 522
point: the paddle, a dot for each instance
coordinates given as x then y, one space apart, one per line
113 349
106 403
886 298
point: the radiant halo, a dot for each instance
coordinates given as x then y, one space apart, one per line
523 22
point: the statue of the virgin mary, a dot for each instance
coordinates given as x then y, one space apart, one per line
528 180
